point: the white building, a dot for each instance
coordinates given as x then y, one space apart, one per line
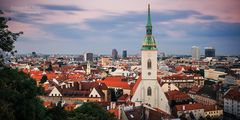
149 90
213 74
195 53
196 109
232 101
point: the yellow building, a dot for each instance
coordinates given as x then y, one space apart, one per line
212 111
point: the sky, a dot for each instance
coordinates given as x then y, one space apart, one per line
98 26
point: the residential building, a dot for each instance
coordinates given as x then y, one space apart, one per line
207 95
232 101
213 74
105 61
180 80
189 111
213 111
143 112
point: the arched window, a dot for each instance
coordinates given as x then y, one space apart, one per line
149 64
149 91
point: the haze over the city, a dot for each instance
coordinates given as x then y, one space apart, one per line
72 27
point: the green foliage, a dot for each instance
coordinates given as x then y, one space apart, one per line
7 38
80 116
49 67
44 79
91 111
56 113
18 96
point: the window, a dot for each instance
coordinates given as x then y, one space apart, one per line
149 64
149 91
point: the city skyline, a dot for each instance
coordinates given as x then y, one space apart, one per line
72 27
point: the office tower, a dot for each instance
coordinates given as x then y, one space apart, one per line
88 57
124 54
209 52
195 53
114 54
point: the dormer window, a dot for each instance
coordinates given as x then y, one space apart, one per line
149 64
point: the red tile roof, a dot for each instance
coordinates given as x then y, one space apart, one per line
233 93
193 106
180 67
136 85
194 89
47 104
211 108
116 81
181 76
123 98
114 111
177 95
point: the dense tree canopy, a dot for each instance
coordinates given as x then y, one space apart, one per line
90 111
18 96
7 37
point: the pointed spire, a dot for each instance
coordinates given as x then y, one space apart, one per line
149 41
149 23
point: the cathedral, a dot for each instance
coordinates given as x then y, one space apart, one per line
149 91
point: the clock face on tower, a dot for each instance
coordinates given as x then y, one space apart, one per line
149 73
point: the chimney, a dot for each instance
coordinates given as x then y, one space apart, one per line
183 107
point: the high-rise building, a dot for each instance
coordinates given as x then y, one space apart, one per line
34 54
114 54
124 54
149 90
195 53
88 57
209 52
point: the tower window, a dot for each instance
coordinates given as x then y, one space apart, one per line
149 64
149 91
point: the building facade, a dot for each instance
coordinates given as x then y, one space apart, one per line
88 57
195 53
124 54
209 52
114 54
232 102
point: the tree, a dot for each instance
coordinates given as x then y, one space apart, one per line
7 38
92 111
44 79
56 113
18 96
49 67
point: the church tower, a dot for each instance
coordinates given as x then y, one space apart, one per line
149 90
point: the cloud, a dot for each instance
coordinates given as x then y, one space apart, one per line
73 27
207 17
61 7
